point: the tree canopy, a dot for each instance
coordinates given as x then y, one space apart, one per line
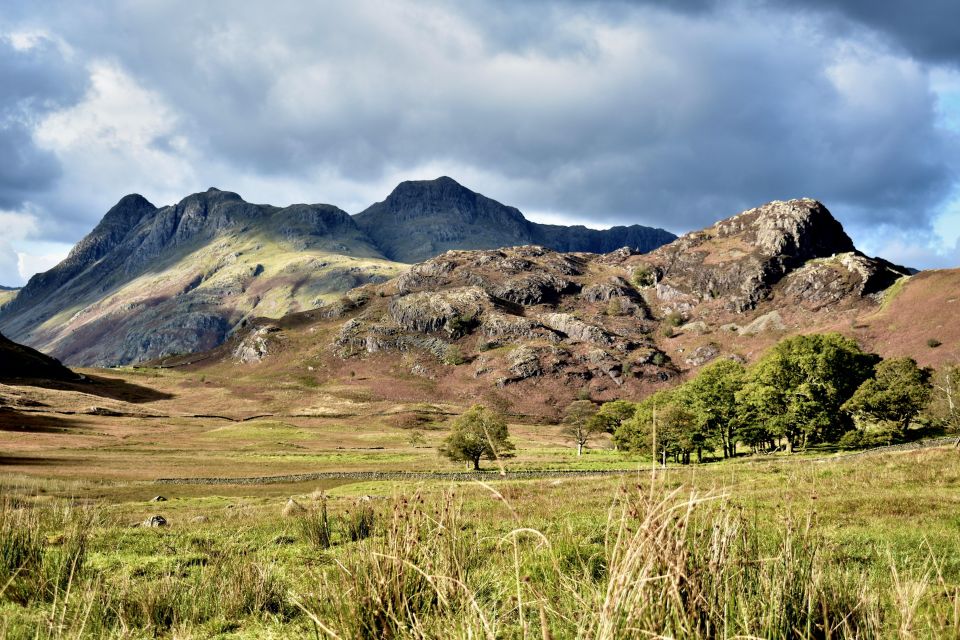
798 388
894 396
478 433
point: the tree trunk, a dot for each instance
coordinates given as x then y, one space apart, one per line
476 464
579 448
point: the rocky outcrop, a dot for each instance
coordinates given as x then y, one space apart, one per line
740 259
455 311
829 281
255 346
575 329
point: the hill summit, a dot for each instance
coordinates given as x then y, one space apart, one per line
421 219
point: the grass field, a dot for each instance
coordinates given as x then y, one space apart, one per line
858 547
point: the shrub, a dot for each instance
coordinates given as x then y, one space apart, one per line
644 276
315 525
359 522
668 331
454 356
674 319
933 343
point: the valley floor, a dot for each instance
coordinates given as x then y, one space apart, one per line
863 547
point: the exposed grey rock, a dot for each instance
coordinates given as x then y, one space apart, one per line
154 521
255 345
501 325
824 282
293 508
534 288
524 363
452 310
615 287
702 355
771 321
576 329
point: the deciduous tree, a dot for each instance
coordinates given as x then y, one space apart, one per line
478 433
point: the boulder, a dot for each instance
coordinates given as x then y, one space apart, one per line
154 521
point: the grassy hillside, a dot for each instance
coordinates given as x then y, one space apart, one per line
6 295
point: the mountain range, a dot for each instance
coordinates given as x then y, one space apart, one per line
149 282
526 327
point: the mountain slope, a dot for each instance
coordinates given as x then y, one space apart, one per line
18 361
148 282
422 219
7 294
532 328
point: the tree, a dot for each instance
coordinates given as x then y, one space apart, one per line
894 396
663 426
797 389
712 398
946 385
612 414
579 424
478 433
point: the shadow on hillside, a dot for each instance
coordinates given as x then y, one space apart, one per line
119 389
98 385
13 421
24 461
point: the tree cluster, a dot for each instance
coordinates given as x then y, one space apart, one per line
810 389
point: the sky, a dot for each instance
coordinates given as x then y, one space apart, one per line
671 114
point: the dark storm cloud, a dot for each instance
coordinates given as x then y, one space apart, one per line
665 113
927 29
35 79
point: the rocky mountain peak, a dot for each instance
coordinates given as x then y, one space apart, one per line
423 218
801 228
740 259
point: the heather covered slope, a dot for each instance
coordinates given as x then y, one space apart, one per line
148 282
918 318
422 219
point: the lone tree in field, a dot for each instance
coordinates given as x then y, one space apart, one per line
580 424
478 433
894 396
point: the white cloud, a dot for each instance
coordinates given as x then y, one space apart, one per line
120 136
28 264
